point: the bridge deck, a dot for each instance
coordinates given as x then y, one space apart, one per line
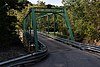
62 55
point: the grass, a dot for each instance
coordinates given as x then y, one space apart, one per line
58 34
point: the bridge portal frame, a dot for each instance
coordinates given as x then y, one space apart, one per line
38 13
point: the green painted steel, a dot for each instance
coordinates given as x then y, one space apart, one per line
48 23
54 24
27 23
35 30
44 15
24 25
58 11
52 10
68 24
44 25
40 24
30 20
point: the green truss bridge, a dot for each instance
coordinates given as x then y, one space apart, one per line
58 51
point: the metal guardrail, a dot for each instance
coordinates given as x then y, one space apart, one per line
93 48
81 46
33 57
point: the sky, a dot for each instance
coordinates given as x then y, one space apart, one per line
53 2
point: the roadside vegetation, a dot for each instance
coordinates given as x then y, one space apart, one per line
84 16
11 16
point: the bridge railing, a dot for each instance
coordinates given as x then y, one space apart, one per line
32 57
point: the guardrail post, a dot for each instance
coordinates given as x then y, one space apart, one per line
35 29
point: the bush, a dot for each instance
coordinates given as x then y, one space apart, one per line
84 29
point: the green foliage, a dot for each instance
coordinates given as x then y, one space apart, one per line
85 30
8 19
85 18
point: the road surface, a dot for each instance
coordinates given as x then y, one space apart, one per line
63 55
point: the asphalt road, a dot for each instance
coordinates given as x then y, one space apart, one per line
63 55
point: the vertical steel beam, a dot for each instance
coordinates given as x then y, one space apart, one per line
44 23
54 16
48 23
40 24
24 25
35 30
68 24
30 23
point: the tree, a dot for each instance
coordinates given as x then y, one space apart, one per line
84 16
68 2
8 20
